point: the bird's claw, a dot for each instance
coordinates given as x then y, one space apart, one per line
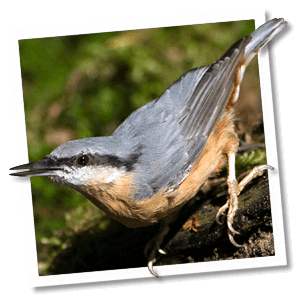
152 261
150 267
234 189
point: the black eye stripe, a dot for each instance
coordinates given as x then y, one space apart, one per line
99 160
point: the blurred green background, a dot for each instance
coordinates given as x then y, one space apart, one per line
86 85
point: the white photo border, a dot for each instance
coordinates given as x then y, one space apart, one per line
24 187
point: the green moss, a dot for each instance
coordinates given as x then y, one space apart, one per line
248 161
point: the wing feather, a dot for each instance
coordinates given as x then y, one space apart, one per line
171 131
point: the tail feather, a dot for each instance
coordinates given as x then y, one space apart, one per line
261 36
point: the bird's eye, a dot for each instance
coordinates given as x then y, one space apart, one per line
83 160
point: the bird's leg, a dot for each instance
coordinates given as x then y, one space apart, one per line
153 246
232 202
234 189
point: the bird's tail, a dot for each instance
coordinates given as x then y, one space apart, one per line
261 36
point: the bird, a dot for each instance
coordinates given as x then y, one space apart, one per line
163 153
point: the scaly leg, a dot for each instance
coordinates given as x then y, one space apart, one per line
234 189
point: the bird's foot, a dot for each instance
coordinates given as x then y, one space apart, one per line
234 189
154 246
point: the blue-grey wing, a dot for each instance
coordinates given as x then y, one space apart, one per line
171 132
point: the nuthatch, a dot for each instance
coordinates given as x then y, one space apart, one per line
162 154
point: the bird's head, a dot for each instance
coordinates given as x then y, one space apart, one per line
80 163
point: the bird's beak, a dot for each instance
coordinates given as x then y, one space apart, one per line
44 167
